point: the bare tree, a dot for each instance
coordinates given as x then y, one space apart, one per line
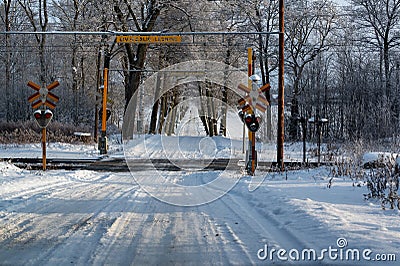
263 17
7 24
383 17
308 29
135 54
39 19
379 21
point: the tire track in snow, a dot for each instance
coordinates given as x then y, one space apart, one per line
118 242
114 240
240 223
18 218
48 218
22 208
88 229
156 233
52 184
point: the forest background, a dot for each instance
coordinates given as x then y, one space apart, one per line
342 62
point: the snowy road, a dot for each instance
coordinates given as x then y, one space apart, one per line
82 218
91 218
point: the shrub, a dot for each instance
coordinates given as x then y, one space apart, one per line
29 132
383 183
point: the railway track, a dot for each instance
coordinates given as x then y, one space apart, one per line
124 165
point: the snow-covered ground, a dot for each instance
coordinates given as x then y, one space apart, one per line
104 218
91 218
157 146
190 147
54 150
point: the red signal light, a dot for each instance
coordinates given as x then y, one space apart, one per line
37 114
48 115
248 119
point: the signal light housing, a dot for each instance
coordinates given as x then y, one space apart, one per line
43 117
108 113
252 122
241 115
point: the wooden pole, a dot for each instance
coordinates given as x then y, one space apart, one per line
252 135
44 148
281 87
249 84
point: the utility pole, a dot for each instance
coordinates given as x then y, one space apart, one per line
281 87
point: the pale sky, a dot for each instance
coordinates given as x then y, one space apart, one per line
341 2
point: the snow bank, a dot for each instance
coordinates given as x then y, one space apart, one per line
378 159
8 169
54 150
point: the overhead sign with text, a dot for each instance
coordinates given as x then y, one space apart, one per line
149 39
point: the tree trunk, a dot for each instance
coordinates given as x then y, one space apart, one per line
202 111
8 60
136 59
224 109
154 111
163 113
210 113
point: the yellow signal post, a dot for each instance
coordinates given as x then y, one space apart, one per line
103 137
249 66
44 152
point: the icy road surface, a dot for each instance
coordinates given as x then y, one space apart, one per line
92 218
